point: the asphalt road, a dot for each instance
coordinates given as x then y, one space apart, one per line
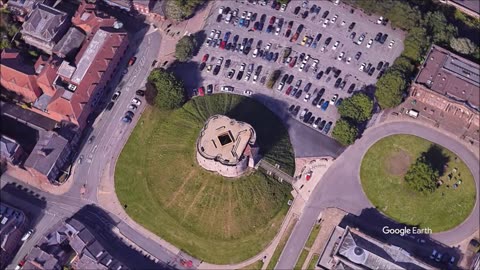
340 187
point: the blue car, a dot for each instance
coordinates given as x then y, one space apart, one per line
325 105
227 36
269 29
327 127
314 44
269 56
241 22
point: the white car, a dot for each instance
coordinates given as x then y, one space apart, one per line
220 61
369 44
247 77
289 59
343 23
136 102
235 12
380 20
244 14
307 97
249 15
334 98
212 33
391 44
217 34
323 49
132 107
315 63
248 92
349 59
283 7
302 66
334 19
280 86
227 89
340 56
362 66
220 10
269 45
325 23
307 57
255 78
255 53
360 39
336 2
27 235
242 67
334 47
277 31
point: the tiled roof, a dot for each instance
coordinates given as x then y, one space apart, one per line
46 152
8 146
70 42
44 22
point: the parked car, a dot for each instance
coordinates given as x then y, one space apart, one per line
334 99
132 61
110 106
327 127
140 93
319 75
227 88
116 95
136 102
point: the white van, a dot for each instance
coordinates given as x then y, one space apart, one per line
412 113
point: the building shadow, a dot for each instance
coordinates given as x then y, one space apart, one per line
102 226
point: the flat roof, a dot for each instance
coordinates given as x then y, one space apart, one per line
224 138
451 75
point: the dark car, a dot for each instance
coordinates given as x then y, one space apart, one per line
294 91
275 57
337 73
126 119
386 65
291 108
352 35
202 66
378 36
272 20
284 78
289 90
351 88
129 114
311 120
216 70
259 69
307 87
319 75
385 21
140 93
256 26
325 14
228 62
305 14
328 70
383 38
290 79
317 10
299 82
318 37
358 55
342 85
367 68
327 127
380 74
239 75
327 41
263 18
290 25
209 89
110 106
351 26
380 65
316 100
337 82
269 29
339 102
296 110
235 39
296 10
371 71
322 125
317 121
288 33
312 8
307 116
219 18
259 44
298 94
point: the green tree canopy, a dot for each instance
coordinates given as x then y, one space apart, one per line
357 108
421 176
180 10
185 48
439 28
390 89
170 92
404 66
463 45
344 132
416 44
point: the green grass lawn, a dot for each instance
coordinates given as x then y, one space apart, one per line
254 266
281 244
301 259
382 173
313 235
313 261
215 219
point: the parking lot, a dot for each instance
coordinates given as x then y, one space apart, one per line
245 45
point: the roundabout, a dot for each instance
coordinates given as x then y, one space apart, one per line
341 187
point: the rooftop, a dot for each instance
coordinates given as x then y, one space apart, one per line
8 146
69 43
46 152
225 139
44 22
451 75
472 5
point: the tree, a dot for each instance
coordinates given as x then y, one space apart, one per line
438 27
421 176
170 92
185 48
283 2
344 132
180 10
357 108
273 78
404 66
416 44
402 15
463 45
390 89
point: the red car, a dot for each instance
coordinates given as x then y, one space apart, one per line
222 44
289 90
272 20
132 61
201 91
295 37
205 58
292 62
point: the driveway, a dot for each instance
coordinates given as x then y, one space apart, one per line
340 187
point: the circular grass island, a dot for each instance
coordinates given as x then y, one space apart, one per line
382 175
213 218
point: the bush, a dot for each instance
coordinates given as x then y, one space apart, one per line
273 78
185 48
357 108
463 45
170 93
421 176
344 132
390 89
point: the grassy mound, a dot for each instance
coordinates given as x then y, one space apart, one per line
442 210
215 219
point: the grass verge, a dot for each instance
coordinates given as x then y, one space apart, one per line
254 266
215 219
313 261
313 235
281 244
301 259
382 171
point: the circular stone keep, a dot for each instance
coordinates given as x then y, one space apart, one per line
226 146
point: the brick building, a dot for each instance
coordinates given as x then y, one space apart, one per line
14 224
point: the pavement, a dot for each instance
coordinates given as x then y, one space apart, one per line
341 188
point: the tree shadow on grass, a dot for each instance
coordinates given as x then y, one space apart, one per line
436 158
